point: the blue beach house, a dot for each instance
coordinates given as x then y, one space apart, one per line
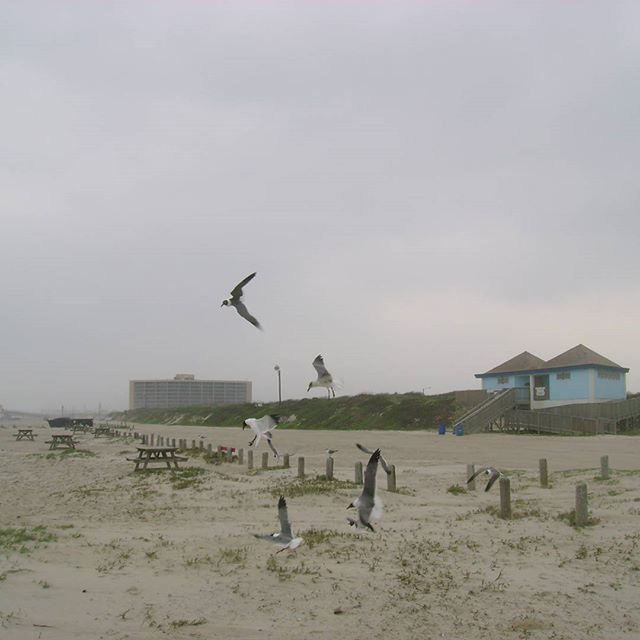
579 375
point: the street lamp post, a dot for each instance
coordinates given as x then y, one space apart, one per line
277 370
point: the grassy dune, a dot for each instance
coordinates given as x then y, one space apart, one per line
380 411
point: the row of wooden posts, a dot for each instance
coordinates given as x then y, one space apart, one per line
582 505
582 512
182 443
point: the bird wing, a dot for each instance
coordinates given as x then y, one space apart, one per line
266 423
318 365
370 476
495 474
383 462
252 423
244 312
285 525
236 292
477 473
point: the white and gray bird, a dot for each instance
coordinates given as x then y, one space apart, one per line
383 462
490 472
325 379
262 427
283 538
329 452
368 505
236 301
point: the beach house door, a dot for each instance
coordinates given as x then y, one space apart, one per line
541 387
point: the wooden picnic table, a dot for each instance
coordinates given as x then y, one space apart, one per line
148 454
25 434
102 430
61 441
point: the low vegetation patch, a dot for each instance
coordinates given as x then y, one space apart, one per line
233 555
285 572
176 624
187 477
570 518
24 539
319 485
314 537
456 489
70 453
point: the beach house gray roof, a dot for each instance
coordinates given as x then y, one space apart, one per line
578 356
524 361
581 356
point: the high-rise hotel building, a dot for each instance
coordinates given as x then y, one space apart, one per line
184 390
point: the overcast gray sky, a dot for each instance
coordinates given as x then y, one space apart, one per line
425 190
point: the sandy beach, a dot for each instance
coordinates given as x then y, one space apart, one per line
108 553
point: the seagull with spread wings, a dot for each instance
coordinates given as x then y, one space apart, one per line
325 379
283 538
368 505
263 427
490 472
236 301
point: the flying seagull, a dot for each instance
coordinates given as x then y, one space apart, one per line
368 504
490 472
284 538
383 462
263 427
236 301
325 379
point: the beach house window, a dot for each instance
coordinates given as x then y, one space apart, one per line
609 375
563 375
503 379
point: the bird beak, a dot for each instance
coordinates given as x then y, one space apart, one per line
244 424
309 387
351 506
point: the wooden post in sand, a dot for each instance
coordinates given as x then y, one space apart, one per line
219 452
151 439
505 498
358 473
229 454
582 506
193 444
265 460
391 478
604 467
301 467
329 468
240 456
285 461
250 459
544 474
201 444
471 469
173 442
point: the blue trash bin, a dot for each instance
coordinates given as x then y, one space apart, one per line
442 429
459 430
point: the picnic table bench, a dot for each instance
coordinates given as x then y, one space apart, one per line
61 441
148 454
25 434
102 430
